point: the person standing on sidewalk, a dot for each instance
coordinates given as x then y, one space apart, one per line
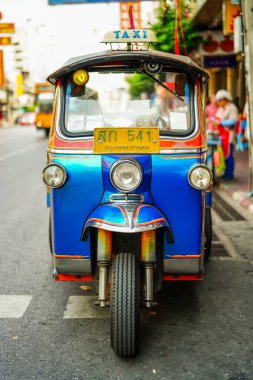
1 117
211 109
226 119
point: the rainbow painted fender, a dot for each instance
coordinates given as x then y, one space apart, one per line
127 218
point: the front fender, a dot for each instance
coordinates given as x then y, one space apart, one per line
126 218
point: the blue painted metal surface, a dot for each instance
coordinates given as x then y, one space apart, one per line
144 188
73 202
180 203
87 191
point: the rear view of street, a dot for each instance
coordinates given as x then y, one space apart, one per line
199 330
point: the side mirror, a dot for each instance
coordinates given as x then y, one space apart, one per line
180 82
77 90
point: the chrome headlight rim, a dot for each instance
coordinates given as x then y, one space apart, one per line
123 161
204 166
64 175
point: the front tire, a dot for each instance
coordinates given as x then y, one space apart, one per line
125 305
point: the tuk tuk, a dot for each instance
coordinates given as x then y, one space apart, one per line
129 188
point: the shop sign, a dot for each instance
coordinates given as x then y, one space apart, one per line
229 13
1 68
215 43
124 15
238 35
19 85
5 40
219 61
7 27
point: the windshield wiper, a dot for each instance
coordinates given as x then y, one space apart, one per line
156 80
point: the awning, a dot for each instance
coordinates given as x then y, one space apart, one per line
208 14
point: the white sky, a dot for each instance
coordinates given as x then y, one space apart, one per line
54 34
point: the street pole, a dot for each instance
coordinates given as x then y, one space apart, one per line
247 13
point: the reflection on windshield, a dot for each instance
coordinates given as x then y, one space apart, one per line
108 100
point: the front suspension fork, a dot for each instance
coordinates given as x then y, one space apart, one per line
148 259
104 257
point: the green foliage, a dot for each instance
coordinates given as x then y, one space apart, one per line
140 83
164 29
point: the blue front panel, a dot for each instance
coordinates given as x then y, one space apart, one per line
74 201
144 188
181 203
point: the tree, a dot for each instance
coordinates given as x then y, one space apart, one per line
164 29
140 83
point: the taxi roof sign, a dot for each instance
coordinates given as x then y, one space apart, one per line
130 37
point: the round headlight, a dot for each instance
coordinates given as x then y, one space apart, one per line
126 175
54 175
200 177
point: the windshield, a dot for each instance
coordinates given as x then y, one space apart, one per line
45 102
118 99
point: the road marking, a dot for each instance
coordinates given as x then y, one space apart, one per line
18 152
13 306
83 307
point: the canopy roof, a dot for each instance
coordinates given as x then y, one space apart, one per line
177 61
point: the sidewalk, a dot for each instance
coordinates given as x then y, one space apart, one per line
238 189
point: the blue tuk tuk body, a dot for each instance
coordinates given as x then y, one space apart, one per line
155 232
85 202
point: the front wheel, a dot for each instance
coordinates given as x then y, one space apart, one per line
125 305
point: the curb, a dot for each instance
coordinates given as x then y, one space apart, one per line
240 197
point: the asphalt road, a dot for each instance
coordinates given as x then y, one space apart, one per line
52 330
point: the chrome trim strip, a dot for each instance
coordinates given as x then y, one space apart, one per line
186 151
58 107
182 266
70 151
163 151
125 229
72 266
126 198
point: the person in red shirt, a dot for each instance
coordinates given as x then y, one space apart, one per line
226 119
211 110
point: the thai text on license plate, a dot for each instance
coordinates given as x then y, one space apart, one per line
126 140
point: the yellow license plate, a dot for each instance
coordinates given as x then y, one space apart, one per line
126 140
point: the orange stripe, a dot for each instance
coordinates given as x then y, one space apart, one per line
197 141
185 257
152 222
136 213
69 256
72 277
105 221
183 277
